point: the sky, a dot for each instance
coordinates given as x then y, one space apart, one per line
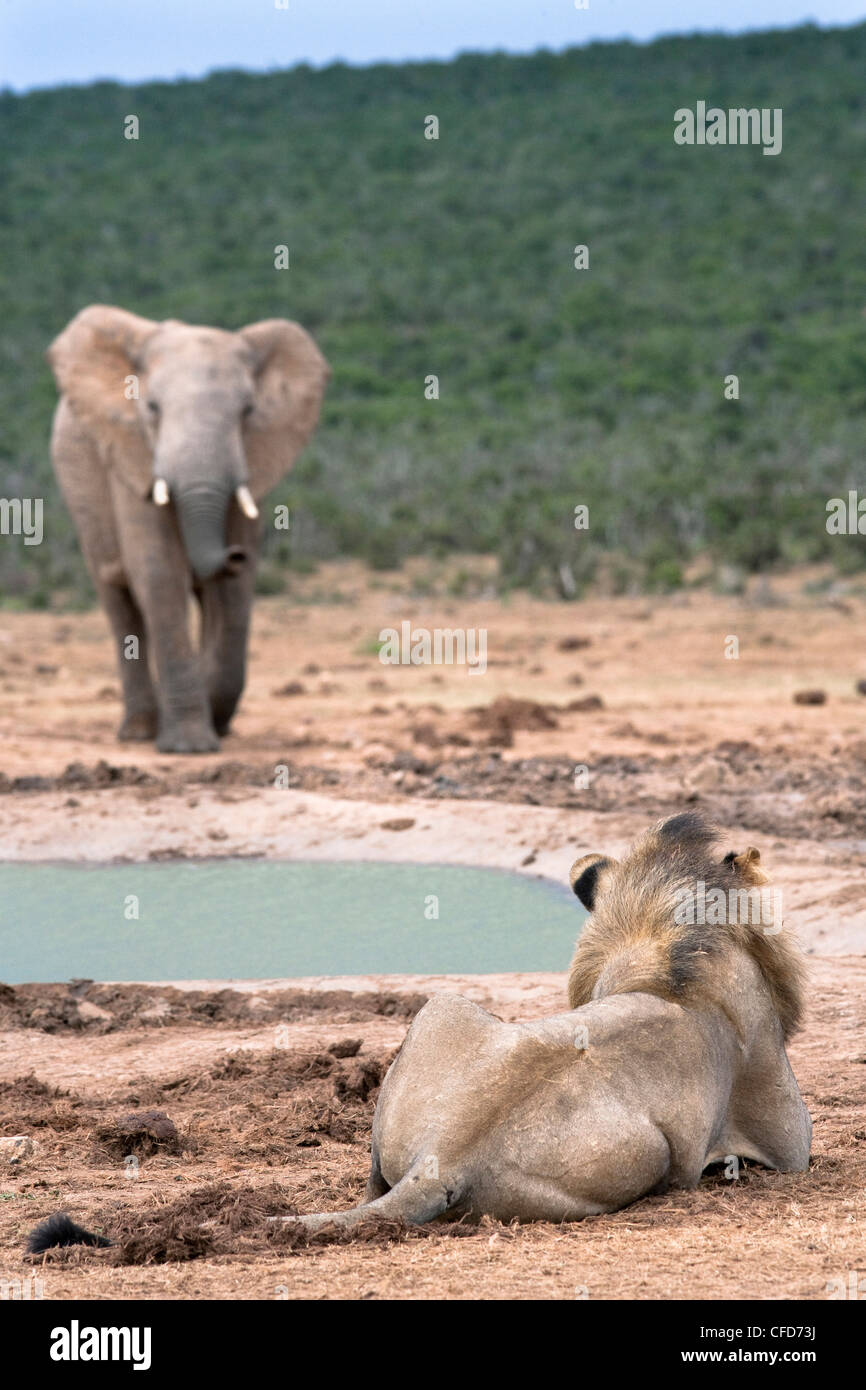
44 43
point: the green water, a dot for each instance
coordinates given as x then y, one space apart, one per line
260 920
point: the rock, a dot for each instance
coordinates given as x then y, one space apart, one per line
16 1148
427 734
92 1013
376 754
709 775
153 1123
587 703
410 762
399 823
346 1047
156 1012
143 1133
446 784
500 719
31 784
515 713
810 697
835 806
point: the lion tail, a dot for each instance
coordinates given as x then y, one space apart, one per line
415 1199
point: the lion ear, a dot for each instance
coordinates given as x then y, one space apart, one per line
291 375
95 363
586 877
747 864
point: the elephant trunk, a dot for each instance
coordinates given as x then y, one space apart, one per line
201 510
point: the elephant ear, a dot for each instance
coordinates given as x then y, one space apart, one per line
291 376
92 360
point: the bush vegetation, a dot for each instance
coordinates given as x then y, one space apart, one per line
412 257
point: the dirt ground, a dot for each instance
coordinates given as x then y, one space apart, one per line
592 720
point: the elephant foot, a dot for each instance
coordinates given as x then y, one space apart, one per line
138 728
187 738
222 711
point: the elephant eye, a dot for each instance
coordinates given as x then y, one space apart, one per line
153 407
247 410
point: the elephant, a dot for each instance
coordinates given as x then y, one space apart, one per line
165 436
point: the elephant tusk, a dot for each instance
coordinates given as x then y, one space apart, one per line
160 492
246 503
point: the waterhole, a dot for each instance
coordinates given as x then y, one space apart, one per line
260 920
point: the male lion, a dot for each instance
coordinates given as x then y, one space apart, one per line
672 1057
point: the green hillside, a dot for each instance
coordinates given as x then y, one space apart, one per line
412 257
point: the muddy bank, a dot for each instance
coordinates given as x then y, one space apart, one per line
766 790
84 1006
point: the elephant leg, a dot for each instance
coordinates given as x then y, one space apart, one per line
225 606
85 485
185 724
139 699
156 566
